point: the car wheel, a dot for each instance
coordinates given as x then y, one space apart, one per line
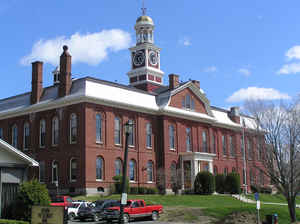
154 216
71 216
126 218
96 218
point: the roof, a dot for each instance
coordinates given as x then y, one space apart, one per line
107 93
4 146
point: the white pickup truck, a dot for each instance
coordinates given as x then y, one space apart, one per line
73 209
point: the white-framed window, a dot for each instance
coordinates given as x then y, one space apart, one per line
148 135
26 136
42 171
99 168
232 149
224 145
54 172
1 133
204 141
132 170
188 140
73 128
55 131
131 134
73 170
98 128
188 102
14 136
42 133
150 171
172 137
117 131
118 167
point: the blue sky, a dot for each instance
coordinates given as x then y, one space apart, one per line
236 49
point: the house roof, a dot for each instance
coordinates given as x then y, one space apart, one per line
17 153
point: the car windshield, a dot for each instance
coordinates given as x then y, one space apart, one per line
75 205
99 203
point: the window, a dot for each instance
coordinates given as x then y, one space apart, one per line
215 170
98 128
174 174
73 128
73 170
259 149
99 168
261 178
150 171
26 136
252 177
131 134
242 146
224 145
42 171
225 171
172 137
250 149
148 135
54 172
188 102
55 131
42 133
214 143
118 167
132 170
204 142
117 131
1 133
14 136
188 140
232 149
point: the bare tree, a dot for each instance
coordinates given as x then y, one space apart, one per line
281 125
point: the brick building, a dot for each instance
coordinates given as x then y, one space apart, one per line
74 128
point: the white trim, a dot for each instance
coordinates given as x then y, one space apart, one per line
18 153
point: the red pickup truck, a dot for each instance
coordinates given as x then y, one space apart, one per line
134 209
61 200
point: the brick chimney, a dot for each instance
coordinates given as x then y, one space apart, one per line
36 82
65 73
197 83
234 114
173 81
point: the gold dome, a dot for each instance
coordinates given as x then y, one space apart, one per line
144 19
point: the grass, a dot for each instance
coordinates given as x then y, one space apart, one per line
217 206
274 198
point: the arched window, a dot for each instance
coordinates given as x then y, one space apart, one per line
26 136
14 136
98 128
117 131
172 137
232 149
54 172
73 170
132 170
131 133
42 133
73 128
118 167
148 135
150 171
188 140
55 131
99 168
204 142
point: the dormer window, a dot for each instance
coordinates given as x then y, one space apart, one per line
188 102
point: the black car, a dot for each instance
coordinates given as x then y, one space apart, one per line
96 210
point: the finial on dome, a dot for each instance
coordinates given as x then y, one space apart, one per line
65 48
144 10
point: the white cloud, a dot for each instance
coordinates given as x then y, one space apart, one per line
289 69
185 41
256 93
210 69
90 48
293 53
244 71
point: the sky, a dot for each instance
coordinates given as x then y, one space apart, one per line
238 50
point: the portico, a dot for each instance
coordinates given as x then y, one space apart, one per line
192 163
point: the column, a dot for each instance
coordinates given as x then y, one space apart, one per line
192 172
182 175
211 170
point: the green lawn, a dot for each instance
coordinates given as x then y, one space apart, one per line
216 205
275 198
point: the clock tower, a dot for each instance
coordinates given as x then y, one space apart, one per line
145 71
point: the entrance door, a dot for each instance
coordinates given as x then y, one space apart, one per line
187 174
8 197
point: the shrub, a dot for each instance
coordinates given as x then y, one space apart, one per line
254 188
232 183
5 221
134 190
188 191
220 183
266 190
142 190
151 190
30 193
118 184
204 183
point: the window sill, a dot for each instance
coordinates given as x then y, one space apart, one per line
149 148
42 147
99 143
132 181
150 182
99 180
73 181
54 145
118 145
73 143
131 146
171 149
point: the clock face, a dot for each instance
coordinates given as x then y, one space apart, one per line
139 58
153 58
